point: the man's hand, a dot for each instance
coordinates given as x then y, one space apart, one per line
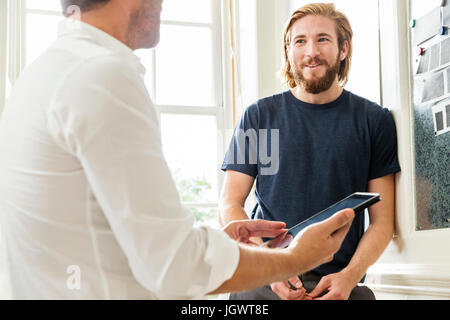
318 243
285 291
243 230
337 286
260 266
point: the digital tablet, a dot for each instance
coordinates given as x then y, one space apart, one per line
357 201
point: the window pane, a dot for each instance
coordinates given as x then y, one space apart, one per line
54 5
187 10
364 78
42 31
206 216
184 67
248 59
190 148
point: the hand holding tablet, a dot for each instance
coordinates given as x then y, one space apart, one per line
357 201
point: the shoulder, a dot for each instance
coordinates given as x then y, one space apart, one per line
372 111
86 58
108 74
361 102
265 106
99 86
104 69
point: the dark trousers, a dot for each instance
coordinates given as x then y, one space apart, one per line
310 281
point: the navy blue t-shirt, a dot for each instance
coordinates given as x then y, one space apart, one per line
305 157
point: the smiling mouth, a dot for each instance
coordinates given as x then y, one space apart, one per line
313 66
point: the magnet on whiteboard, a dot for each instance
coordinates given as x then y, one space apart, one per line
442 30
420 51
412 23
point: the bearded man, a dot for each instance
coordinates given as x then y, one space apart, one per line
331 143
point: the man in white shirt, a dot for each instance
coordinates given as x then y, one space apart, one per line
88 206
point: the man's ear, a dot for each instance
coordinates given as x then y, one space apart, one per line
344 51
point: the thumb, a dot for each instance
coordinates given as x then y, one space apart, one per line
338 221
319 289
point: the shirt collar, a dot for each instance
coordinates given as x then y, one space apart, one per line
74 27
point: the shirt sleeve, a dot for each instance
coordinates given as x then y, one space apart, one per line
102 115
384 159
242 153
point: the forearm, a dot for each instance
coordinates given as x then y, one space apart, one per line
236 188
230 212
258 267
381 229
370 248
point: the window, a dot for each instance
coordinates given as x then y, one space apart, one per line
40 27
184 78
31 27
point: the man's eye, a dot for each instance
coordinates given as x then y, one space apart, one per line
323 39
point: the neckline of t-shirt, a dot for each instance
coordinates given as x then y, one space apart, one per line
312 106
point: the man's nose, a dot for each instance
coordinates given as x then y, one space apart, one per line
312 50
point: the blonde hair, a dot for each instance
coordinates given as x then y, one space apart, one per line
343 29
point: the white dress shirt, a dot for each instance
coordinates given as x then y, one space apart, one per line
88 206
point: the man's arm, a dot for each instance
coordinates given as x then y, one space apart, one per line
235 190
312 247
381 228
372 244
258 266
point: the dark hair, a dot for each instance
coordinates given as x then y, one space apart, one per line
84 5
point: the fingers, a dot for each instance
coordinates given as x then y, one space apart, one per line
259 226
267 233
265 224
291 289
319 289
294 283
338 221
342 232
242 230
264 228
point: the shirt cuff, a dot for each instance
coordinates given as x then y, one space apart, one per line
222 254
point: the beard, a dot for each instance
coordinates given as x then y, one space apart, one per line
144 26
322 84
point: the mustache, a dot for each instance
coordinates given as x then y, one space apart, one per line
314 61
